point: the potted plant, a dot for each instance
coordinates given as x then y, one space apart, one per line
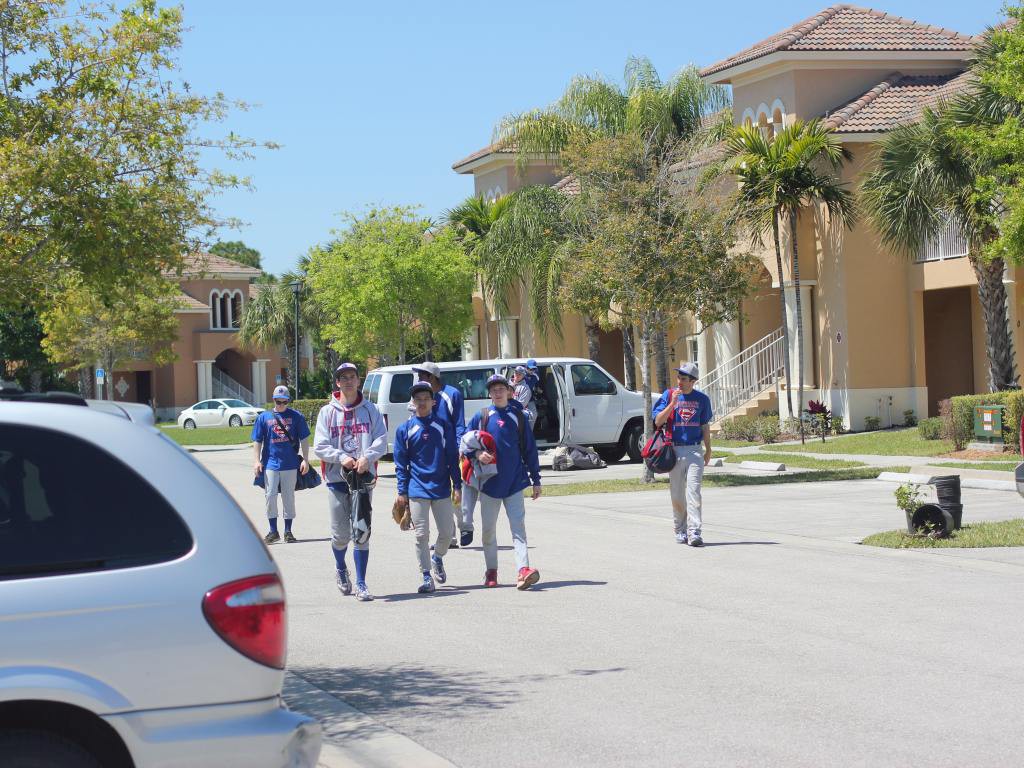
927 519
908 498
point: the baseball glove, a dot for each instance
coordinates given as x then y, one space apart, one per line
400 514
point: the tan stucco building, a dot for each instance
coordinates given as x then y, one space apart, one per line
210 361
883 333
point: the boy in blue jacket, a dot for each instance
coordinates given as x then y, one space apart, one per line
427 467
516 457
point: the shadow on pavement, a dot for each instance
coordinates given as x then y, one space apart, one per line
414 595
737 543
543 586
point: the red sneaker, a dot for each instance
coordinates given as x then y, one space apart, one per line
491 577
527 578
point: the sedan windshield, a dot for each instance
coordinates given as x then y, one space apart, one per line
237 404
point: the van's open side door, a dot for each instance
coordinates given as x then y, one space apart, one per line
564 409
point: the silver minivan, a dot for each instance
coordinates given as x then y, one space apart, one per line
143 620
578 401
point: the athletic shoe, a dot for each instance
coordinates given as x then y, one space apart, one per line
289 537
680 537
527 578
344 583
466 538
272 538
696 540
427 586
363 594
454 544
491 577
442 577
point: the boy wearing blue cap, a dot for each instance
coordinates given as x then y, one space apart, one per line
427 468
278 437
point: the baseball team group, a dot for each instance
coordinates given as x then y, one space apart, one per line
446 467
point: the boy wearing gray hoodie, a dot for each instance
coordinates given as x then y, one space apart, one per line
350 436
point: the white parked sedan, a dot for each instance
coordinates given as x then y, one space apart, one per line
218 413
144 622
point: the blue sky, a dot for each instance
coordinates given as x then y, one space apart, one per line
373 102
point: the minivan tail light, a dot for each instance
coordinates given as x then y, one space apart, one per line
249 615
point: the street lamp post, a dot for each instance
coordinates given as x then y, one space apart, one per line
296 287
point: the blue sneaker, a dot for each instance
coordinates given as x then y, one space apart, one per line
363 594
442 577
427 586
344 583
680 537
466 538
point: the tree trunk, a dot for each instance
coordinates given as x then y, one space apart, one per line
35 378
1002 367
661 357
645 377
593 339
428 345
483 320
401 347
782 307
799 322
85 380
629 357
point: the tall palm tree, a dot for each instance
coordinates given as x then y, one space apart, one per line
661 113
472 220
779 176
924 177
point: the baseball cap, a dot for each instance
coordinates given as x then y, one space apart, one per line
520 369
689 369
428 367
345 367
282 393
420 386
496 379
531 364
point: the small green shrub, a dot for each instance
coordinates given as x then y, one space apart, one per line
308 408
930 429
908 497
909 419
768 429
838 425
752 429
871 423
959 423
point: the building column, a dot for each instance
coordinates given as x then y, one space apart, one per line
471 344
259 382
807 314
705 359
204 379
726 340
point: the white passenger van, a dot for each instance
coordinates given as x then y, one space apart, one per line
578 402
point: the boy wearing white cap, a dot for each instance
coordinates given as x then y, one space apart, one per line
278 437
689 412
523 392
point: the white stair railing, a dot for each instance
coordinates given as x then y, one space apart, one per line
743 377
225 386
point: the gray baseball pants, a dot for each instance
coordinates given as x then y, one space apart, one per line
280 481
444 516
684 485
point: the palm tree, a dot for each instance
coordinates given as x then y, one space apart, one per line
472 219
660 113
927 176
777 177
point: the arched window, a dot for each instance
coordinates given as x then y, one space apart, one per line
236 309
748 117
778 115
225 310
215 309
767 129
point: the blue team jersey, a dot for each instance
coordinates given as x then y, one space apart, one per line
693 411
278 451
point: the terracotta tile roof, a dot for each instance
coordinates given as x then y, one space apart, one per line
850 28
209 264
186 301
568 185
897 99
488 150
701 158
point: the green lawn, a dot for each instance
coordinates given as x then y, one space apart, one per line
889 442
790 460
1006 533
997 466
716 443
716 480
208 435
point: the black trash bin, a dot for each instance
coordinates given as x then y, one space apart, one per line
947 488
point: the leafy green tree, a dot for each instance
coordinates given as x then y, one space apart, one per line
777 178
644 251
238 251
84 328
100 148
387 282
658 113
21 351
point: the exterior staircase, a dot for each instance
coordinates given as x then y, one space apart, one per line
747 383
225 386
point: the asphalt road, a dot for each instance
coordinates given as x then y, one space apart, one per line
781 643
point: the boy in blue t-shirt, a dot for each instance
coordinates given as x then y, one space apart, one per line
690 413
278 436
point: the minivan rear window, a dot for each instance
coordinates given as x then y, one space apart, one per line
471 382
401 383
67 506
